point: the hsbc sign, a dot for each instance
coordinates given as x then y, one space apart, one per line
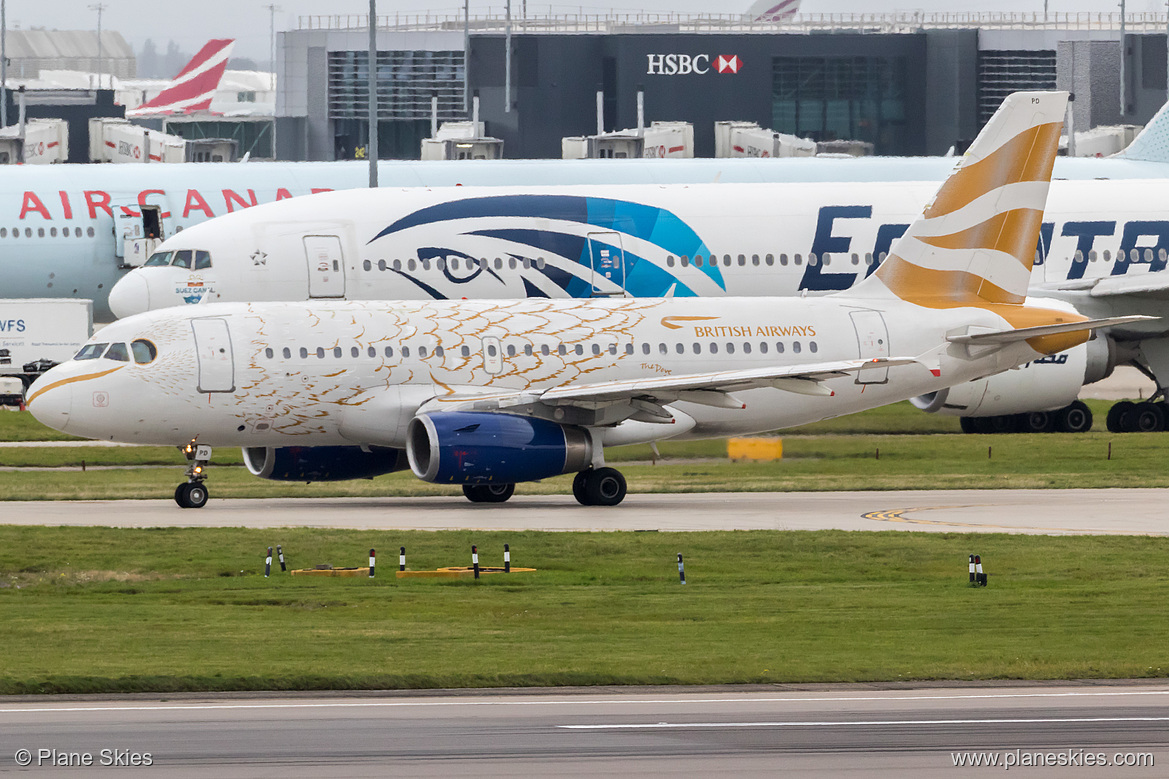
687 64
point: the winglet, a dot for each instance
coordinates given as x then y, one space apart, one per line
195 85
975 242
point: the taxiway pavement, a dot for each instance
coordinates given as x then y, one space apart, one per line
1052 512
825 731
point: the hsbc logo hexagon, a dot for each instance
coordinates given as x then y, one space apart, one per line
688 64
728 64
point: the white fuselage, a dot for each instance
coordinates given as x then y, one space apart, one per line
323 373
644 241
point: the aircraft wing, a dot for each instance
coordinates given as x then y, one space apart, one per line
1155 285
1148 285
645 396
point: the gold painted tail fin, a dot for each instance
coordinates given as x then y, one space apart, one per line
976 241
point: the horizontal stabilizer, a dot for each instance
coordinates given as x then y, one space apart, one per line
1025 333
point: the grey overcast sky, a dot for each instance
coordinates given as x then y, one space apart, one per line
190 24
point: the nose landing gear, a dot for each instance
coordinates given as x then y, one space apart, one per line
192 494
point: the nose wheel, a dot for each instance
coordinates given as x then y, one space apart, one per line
599 487
193 493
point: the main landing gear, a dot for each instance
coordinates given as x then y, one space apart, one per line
1074 418
599 487
594 487
488 493
192 494
1144 417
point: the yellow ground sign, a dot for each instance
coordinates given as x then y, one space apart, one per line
755 448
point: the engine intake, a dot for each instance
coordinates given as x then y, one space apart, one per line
480 448
322 463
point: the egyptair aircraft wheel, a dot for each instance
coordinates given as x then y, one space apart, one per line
191 495
604 487
1118 416
488 493
1036 422
1146 418
1075 418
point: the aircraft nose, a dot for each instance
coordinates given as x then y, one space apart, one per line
51 401
130 296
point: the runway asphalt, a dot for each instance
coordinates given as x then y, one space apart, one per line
1054 512
826 731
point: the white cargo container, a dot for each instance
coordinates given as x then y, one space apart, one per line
113 139
747 139
46 141
36 142
36 333
673 140
660 140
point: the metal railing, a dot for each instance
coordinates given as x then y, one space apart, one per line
559 19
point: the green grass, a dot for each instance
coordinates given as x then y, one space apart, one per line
826 456
116 610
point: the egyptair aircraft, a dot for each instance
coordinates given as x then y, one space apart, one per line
75 230
486 394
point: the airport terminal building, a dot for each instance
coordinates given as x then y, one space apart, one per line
908 84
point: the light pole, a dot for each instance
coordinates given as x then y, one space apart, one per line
272 9
371 147
3 63
99 7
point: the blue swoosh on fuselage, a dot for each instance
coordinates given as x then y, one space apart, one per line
655 225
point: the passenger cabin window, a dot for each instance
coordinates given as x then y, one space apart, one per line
158 259
91 351
118 352
182 259
202 260
144 351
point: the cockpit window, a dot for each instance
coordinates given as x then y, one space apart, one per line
158 258
182 259
118 352
202 260
91 351
144 351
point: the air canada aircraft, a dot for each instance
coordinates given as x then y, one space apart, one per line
75 230
486 394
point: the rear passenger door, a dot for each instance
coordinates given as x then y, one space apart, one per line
326 266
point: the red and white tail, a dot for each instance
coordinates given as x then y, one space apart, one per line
773 10
195 85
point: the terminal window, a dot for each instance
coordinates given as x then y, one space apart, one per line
842 98
406 81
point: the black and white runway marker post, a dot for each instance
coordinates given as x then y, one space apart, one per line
979 575
973 581
507 558
401 558
268 563
475 560
372 559
681 570
280 554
